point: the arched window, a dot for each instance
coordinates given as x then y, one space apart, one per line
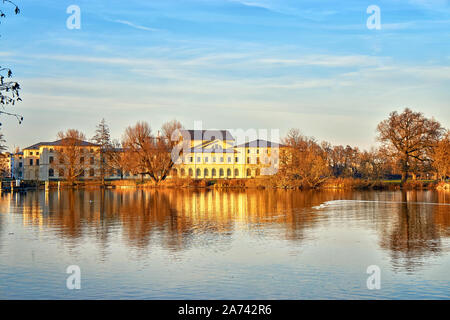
182 172
199 173
51 173
174 172
221 172
213 172
91 172
205 173
228 172
61 173
258 172
236 172
191 172
249 172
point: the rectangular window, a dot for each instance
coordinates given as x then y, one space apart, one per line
37 162
191 159
37 153
199 159
229 159
248 160
81 160
206 159
236 159
214 160
221 159
31 162
92 160
50 159
20 164
31 153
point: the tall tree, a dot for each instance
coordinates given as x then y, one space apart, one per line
303 163
116 159
102 138
151 154
9 90
71 155
409 137
441 157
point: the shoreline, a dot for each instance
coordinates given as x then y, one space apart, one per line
247 184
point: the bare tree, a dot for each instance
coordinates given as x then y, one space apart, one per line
116 159
71 155
9 90
149 154
409 137
441 157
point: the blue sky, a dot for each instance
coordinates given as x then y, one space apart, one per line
312 65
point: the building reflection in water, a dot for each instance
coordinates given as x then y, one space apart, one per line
410 224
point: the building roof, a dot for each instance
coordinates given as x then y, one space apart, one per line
259 143
60 143
208 134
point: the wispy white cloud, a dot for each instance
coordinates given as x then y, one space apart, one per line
136 26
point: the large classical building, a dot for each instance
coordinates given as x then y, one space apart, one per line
40 161
209 154
215 154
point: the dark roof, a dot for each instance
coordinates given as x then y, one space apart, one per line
208 134
59 143
259 143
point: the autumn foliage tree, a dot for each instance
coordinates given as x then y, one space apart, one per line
409 137
150 154
441 157
303 163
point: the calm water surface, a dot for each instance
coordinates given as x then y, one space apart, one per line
185 244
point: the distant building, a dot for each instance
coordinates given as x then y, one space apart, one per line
40 161
210 154
16 165
5 165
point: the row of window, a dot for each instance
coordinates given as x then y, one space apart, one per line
51 172
51 151
214 172
61 161
61 173
221 160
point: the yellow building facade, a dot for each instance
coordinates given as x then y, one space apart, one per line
214 154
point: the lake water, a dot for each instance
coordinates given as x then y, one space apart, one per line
186 244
